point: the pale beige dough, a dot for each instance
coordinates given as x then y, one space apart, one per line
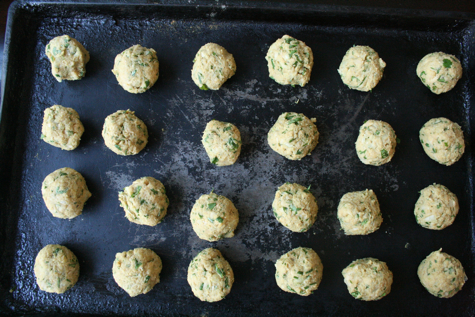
65 192
124 133
436 207
368 279
442 140
145 202
212 66
68 58
136 69
222 142
376 143
210 276
361 68
137 271
62 127
441 274
56 269
214 217
290 61
293 136
299 271
439 72
295 207
359 213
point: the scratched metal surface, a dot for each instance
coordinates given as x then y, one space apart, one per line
176 112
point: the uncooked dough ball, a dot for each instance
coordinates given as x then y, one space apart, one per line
210 276
376 143
212 66
441 274
137 271
299 271
295 207
145 201
289 61
436 208
442 140
361 68
214 217
439 71
293 135
56 269
62 127
359 213
65 192
368 279
222 142
124 133
68 58
136 69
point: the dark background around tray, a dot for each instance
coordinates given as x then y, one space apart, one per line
175 156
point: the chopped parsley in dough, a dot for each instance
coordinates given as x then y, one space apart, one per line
68 58
210 276
62 127
124 133
145 201
439 72
299 271
222 142
212 66
136 69
376 143
441 274
359 213
289 61
436 207
293 136
361 68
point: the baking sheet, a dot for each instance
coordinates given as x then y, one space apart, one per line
176 112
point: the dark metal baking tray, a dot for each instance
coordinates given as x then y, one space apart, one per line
176 111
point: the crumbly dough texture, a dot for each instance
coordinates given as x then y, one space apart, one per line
368 279
361 68
62 127
293 136
295 207
299 271
441 274
145 202
212 66
56 269
136 69
64 192
376 143
439 72
214 217
290 61
210 276
137 271
359 213
124 133
222 142
436 207
442 140
68 58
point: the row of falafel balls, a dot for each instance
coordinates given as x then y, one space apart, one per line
214 217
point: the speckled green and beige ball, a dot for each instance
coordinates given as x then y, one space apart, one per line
376 143
295 207
299 271
137 271
436 207
210 276
293 136
439 71
62 127
145 201
56 269
359 213
212 67
222 142
214 217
